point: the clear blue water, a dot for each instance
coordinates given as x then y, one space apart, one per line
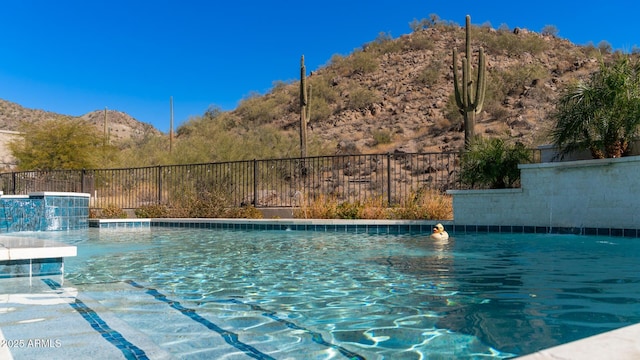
323 295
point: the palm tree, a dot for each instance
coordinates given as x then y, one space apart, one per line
602 114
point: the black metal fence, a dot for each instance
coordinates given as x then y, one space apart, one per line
262 183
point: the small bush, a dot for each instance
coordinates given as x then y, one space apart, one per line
362 62
549 30
113 212
152 211
347 210
426 204
322 207
384 44
257 110
510 43
203 204
361 98
381 137
430 73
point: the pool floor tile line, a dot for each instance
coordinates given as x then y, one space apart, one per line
229 337
315 336
128 349
232 338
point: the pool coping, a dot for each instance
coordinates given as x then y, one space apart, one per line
359 225
622 343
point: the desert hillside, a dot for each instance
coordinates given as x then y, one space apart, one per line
396 94
121 126
392 94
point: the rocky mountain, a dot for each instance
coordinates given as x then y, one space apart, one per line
397 94
121 127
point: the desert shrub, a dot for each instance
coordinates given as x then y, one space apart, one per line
381 137
363 62
256 109
321 207
361 98
321 88
426 204
374 208
384 44
509 43
513 79
348 210
605 47
493 163
429 74
549 30
152 211
320 110
329 207
421 42
112 212
195 202
432 22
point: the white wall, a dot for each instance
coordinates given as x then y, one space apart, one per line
603 193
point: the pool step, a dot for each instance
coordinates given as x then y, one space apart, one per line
40 322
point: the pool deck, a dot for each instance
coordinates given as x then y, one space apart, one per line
57 329
621 344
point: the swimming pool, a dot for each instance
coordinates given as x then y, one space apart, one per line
323 295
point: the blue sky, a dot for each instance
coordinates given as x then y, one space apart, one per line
73 57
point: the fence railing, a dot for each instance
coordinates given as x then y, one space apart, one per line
262 183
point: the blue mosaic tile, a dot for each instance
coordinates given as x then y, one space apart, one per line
617 232
541 230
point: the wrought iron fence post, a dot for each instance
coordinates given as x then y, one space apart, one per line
13 180
255 183
389 179
82 181
159 184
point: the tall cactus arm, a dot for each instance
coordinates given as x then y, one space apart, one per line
303 82
481 84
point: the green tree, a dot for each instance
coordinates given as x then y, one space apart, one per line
59 144
601 114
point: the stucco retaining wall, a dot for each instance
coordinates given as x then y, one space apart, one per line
603 193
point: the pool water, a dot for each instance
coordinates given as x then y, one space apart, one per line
317 295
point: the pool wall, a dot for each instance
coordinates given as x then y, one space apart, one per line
596 197
44 211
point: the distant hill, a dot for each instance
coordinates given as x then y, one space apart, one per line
121 126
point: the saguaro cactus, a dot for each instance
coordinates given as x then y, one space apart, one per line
469 96
305 109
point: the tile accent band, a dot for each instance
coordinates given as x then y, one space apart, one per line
129 350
